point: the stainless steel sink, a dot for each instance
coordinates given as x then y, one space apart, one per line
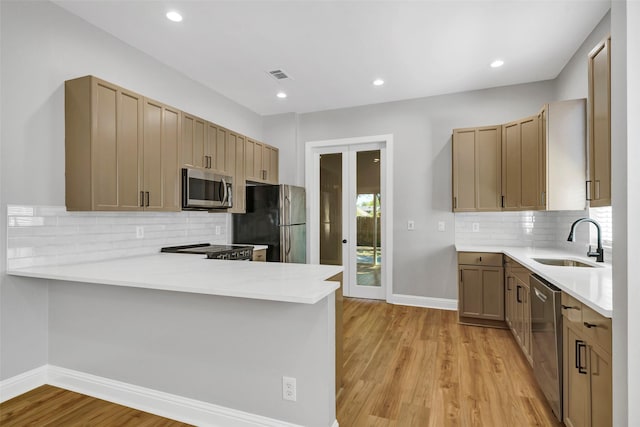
560 262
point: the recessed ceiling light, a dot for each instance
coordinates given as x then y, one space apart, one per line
497 63
378 82
281 95
174 16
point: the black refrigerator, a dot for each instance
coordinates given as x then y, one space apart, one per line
275 216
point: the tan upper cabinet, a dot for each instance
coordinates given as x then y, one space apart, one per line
477 169
563 138
216 149
121 150
261 162
522 165
599 113
194 142
161 183
235 157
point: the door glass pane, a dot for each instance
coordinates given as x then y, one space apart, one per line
331 209
369 257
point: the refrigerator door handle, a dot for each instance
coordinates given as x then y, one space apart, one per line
288 243
287 210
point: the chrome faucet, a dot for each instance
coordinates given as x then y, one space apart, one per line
599 253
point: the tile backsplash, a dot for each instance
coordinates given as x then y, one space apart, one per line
49 235
527 228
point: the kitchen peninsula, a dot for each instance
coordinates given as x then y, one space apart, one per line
222 333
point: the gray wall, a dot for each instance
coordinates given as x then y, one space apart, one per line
43 45
281 131
227 351
572 82
424 259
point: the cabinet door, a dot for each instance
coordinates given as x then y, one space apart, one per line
161 176
488 168
193 142
271 167
253 160
239 183
600 124
481 292
531 193
220 157
509 300
105 149
464 170
511 166
470 291
129 151
576 380
521 165
601 387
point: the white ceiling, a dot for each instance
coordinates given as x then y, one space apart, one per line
333 50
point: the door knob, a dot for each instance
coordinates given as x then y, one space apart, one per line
344 240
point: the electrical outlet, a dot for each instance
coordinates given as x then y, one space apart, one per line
441 226
217 230
411 225
289 388
139 232
475 227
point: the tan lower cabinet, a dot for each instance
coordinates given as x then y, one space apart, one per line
480 288
518 307
587 382
260 255
121 149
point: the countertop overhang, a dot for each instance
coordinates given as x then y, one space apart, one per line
296 283
591 286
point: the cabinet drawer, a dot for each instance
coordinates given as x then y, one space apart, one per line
480 258
598 328
571 309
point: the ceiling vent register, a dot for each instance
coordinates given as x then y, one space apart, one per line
278 74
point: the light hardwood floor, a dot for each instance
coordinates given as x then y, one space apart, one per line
409 366
49 406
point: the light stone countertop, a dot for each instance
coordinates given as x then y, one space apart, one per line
591 286
274 281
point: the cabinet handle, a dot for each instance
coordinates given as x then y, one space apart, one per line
569 307
588 189
590 325
142 199
579 346
455 202
502 201
460 276
147 193
518 287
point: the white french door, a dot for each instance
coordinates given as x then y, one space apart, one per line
348 215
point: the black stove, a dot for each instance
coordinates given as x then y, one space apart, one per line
213 251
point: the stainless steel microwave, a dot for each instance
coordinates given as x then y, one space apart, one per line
205 190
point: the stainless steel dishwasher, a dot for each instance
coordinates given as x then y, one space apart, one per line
546 337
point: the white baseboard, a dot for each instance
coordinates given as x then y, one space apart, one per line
167 405
335 424
426 302
20 384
